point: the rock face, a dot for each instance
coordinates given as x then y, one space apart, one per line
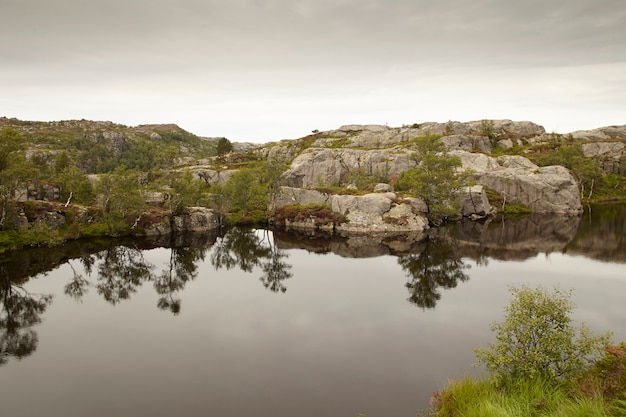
380 136
193 220
328 167
550 189
602 133
474 202
611 156
370 213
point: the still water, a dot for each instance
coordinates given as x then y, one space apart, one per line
260 323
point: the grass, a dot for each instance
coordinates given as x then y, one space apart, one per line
523 398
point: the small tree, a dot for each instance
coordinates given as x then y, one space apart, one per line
223 146
537 338
434 178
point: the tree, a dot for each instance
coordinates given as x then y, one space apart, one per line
74 184
537 338
15 170
119 197
434 178
223 146
185 192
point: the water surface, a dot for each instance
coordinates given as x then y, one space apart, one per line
283 324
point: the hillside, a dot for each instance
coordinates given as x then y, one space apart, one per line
84 177
99 147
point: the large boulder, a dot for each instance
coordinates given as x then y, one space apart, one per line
550 189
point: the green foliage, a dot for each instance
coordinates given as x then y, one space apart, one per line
537 338
74 185
487 129
185 192
244 192
15 171
223 146
434 178
119 197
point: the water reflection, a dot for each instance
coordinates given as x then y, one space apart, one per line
116 270
247 249
436 266
182 268
21 310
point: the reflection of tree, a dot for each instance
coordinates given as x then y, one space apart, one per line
238 248
246 249
181 269
275 270
122 270
437 266
77 287
20 311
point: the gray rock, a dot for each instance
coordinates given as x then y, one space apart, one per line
193 220
604 150
467 143
383 188
370 213
328 167
474 202
602 133
288 196
550 189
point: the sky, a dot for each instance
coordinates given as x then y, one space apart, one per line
265 70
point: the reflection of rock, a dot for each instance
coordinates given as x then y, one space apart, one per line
515 238
352 246
601 234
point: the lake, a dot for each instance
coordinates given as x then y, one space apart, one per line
262 323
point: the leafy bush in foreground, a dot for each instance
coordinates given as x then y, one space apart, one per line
537 338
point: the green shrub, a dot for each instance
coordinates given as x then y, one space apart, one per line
537 338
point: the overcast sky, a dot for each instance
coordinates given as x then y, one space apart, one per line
261 70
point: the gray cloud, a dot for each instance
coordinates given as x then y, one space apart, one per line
192 52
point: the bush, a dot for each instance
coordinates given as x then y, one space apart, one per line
537 338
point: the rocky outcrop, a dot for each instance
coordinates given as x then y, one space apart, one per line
370 213
212 176
476 134
601 134
474 202
193 220
550 189
328 167
611 156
